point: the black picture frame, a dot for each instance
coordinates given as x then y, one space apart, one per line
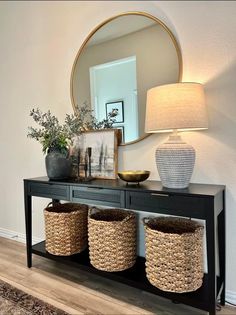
116 105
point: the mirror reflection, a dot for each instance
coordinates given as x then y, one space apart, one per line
118 64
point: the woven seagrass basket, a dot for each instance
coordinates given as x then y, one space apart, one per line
112 239
174 253
66 228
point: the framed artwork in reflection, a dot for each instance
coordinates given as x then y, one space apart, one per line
115 110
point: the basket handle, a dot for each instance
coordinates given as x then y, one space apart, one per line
127 218
145 221
51 204
92 210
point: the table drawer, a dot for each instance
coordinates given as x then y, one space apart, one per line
98 196
50 190
167 204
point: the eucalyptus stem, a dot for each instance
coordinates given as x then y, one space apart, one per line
53 135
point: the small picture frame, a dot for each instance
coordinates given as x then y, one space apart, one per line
116 108
104 147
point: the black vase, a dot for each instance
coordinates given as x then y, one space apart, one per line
58 165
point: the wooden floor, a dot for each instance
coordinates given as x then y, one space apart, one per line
79 292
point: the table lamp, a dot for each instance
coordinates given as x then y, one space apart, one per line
172 108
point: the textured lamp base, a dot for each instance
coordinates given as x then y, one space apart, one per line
175 161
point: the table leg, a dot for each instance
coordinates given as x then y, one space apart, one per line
221 238
210 239
28 225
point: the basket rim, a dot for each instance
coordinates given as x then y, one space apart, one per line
58 208
126 219
62 213
199 228
128 215
196 227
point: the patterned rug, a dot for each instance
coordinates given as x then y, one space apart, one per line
17 302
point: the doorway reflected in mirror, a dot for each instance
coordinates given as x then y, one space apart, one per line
113 90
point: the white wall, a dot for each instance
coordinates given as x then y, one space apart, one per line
39 41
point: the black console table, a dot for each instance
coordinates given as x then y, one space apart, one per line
200 201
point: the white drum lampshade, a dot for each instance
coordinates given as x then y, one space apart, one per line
175 107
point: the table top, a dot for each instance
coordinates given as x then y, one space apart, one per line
146 186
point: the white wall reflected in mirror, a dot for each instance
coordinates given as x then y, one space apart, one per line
113 88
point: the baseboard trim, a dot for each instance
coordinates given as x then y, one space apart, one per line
230 297
19 237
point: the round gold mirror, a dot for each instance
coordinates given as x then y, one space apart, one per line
118 62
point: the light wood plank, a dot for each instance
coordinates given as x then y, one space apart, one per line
78 292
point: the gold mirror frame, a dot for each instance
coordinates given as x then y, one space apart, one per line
178 51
